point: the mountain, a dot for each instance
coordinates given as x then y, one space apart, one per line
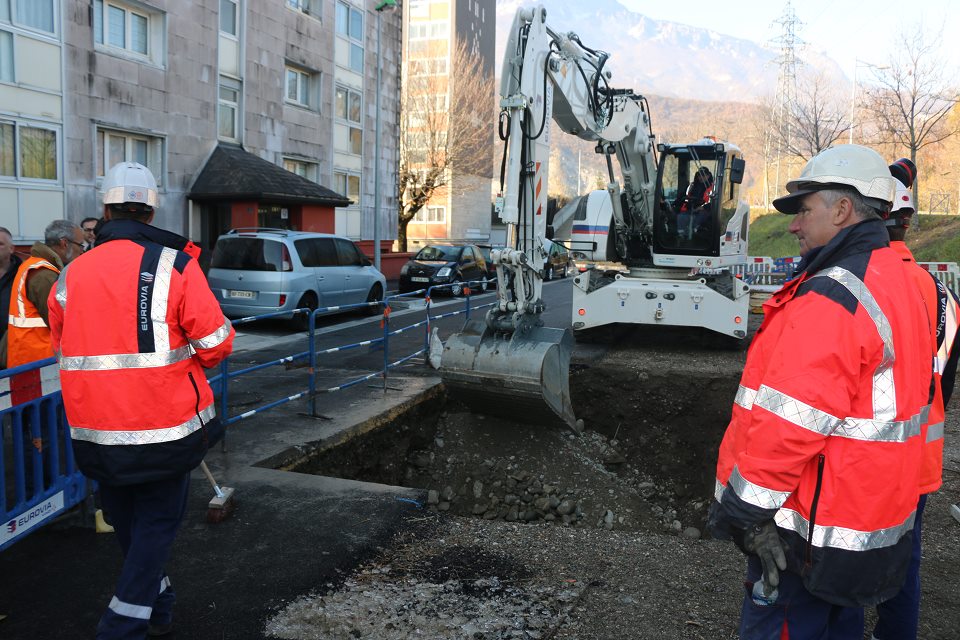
670 59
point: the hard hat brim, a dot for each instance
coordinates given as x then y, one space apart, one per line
790 204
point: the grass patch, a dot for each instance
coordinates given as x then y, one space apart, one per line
931 238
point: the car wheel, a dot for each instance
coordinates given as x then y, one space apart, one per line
563 274
301 321
456 287
484 283
548 273
375 295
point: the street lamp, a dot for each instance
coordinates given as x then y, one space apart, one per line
383 4
857 63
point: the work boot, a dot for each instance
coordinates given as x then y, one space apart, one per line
160 630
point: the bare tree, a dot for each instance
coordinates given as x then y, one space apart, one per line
912 97
813 121
446 123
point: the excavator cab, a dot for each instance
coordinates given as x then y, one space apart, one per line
697 197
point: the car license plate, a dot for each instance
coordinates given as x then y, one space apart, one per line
241 294
419 279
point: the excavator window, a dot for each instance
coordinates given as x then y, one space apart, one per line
686 220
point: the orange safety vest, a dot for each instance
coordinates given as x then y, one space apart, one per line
28 337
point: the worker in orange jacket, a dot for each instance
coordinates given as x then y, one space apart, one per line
134 324
899 617
830 406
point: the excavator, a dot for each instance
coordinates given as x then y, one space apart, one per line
672 222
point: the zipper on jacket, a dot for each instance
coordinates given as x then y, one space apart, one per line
203 426
821 459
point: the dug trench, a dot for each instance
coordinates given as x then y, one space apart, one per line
645 461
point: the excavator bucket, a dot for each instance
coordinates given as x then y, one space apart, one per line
516 375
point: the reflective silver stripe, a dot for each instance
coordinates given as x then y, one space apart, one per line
842 537
745 397
143 436
935 432
884 391
880 430
799 413
161 293
21 285
61 295
137 611
124 360
755 494
718 490
214 339
27 323
164 584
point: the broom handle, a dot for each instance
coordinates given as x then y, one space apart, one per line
213 483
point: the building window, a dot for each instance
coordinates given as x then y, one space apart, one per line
40 15
120 146
309 7
347 184
129 28
6 57
431 214
228 109
350 26
348 105
35 148
302 88
228 17
303 168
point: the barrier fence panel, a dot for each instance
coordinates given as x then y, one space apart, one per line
38 476
946 272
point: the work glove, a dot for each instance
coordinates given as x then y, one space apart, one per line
763 541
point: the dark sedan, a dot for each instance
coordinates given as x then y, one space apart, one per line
438 264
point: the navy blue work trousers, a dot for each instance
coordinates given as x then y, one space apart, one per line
899 617
146 518
797 614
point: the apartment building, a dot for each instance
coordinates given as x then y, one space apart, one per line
249 112
460 211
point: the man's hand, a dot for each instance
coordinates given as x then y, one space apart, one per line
763 540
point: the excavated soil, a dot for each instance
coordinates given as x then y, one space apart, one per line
532 531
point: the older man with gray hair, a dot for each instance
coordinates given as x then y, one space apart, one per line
28 333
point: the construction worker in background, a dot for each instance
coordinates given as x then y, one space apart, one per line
28 335
818 470
9 265
134 323
899 617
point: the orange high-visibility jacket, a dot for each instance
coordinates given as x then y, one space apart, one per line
134 323
942 313
28 337
825 435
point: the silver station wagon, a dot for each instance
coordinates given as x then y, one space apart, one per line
257 271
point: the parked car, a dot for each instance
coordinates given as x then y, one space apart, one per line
445 264
557 262
258 271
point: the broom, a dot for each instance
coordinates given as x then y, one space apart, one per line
222 503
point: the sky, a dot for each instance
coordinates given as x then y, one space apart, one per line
846 30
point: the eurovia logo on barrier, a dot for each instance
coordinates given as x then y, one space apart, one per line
31 518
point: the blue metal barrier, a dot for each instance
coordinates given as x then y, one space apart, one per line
38 476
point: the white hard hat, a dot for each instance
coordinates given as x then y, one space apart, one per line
903 199
130 182
846 165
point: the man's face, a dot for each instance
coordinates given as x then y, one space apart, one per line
6 247
815 223
88 234
70 249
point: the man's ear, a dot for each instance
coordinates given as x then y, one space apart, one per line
844 212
